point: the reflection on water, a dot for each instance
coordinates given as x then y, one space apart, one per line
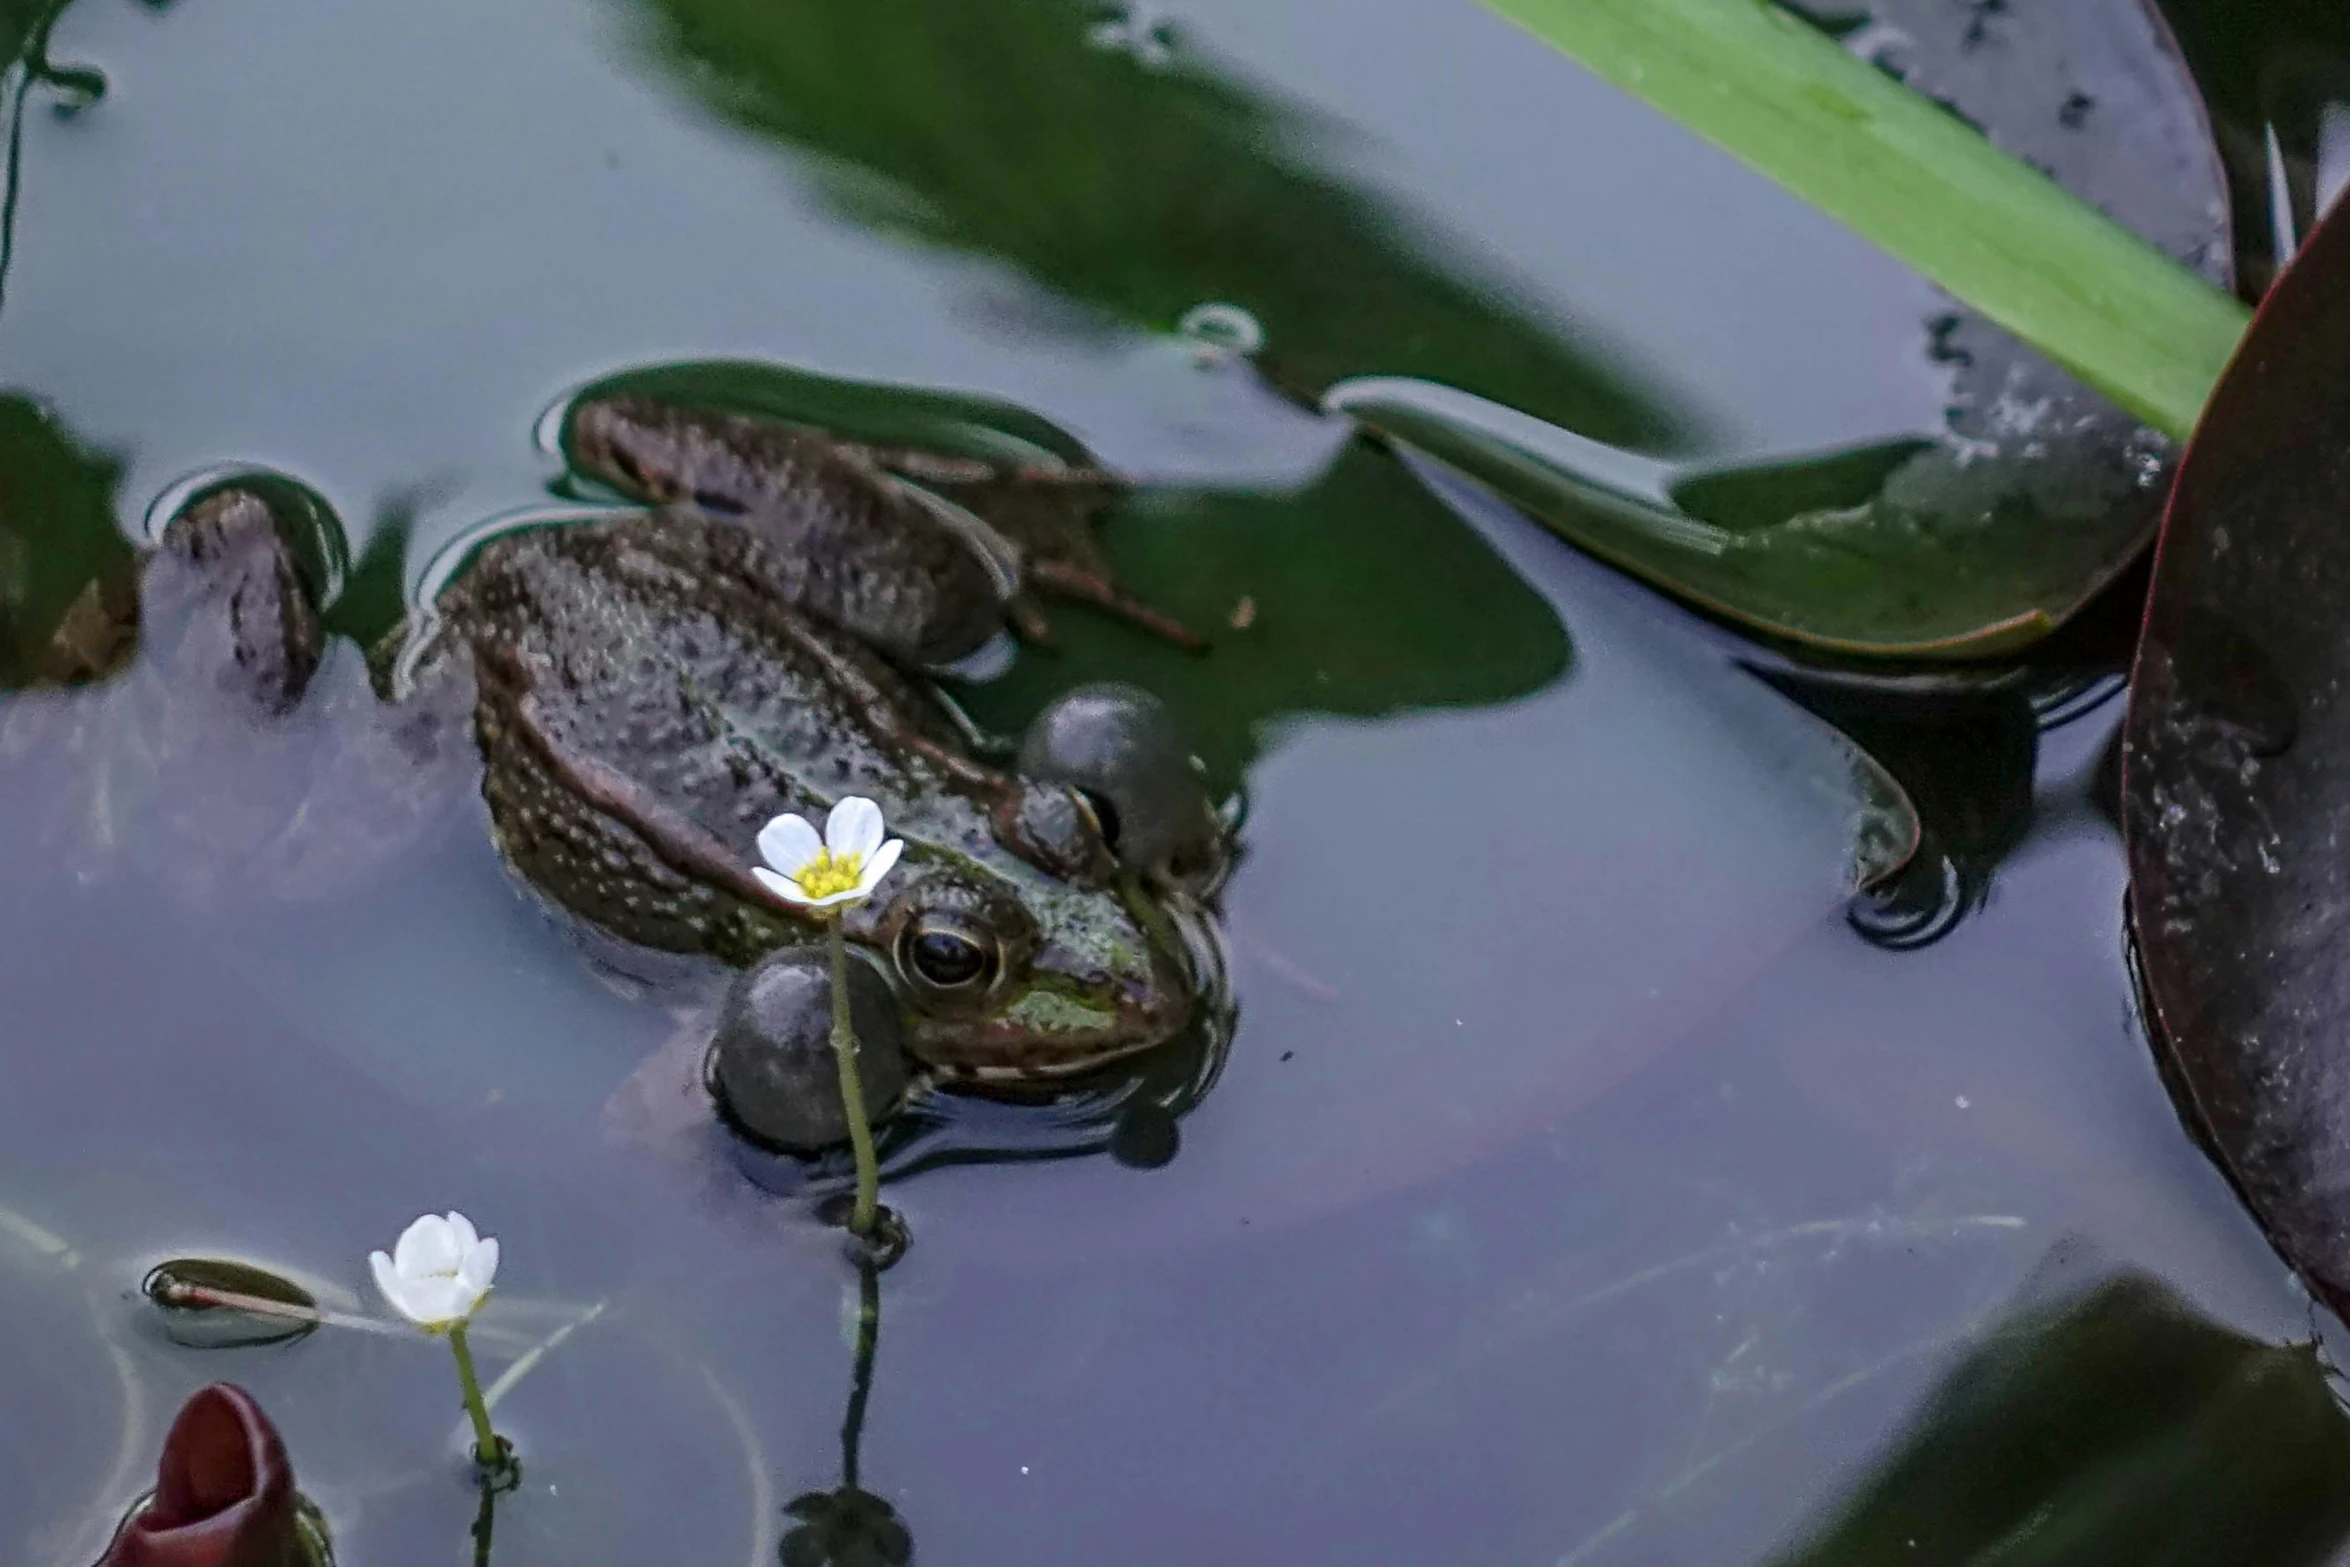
850 1526
2276 74
1133 179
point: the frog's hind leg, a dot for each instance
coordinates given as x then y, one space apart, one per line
1048 541
1044 517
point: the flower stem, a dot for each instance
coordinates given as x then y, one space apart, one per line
488 1451
852 1090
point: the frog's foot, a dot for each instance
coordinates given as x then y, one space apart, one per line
1068 580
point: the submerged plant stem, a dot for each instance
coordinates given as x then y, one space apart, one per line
488 1451
852 1090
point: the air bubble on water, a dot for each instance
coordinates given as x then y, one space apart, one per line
1220 331
1140 30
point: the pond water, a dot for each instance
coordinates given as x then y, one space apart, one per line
1580 1185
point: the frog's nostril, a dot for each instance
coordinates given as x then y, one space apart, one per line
719 503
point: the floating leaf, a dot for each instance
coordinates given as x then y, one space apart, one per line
2036 492
2237 771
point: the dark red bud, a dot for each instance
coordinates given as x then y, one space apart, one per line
224 1493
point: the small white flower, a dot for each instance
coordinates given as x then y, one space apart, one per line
439 1273
843 866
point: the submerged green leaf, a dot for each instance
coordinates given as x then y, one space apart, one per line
2116 1428
65 569
1130 182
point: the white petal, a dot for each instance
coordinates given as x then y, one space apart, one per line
845 895
853 830
467 1238
427 1246
879 866
387 1279
479 1269
788 843
782 886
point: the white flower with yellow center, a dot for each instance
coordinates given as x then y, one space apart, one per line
843 866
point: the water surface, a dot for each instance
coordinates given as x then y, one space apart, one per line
1580 1186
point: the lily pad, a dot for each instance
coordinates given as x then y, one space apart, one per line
1969 541
2236 771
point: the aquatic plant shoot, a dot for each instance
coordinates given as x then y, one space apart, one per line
437 1276
824 875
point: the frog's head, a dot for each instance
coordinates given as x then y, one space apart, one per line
1011 975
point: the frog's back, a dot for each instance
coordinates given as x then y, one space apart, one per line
644 709
821 526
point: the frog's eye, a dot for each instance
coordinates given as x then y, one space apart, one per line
942 956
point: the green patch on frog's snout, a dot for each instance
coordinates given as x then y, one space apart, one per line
1064 1019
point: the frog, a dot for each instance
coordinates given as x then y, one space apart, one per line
643 691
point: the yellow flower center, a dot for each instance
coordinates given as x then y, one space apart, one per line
828 874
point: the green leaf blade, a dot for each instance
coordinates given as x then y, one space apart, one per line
1918 182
